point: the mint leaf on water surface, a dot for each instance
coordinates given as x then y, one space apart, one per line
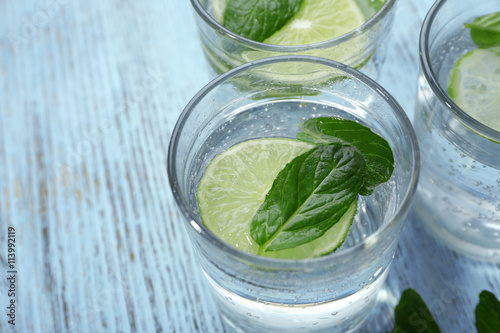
258 19
374 148
315 190
412 315
488 313
308 197
485 30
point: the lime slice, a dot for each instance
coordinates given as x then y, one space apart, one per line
474 85
318 21
235 184
315 21
218 8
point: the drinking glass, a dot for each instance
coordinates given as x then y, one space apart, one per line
458 197
332 293
360 48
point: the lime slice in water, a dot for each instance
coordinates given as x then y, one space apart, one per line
315 21
235 184
474 85
318 21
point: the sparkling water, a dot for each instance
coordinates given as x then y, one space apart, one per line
282 119
458 198
282 301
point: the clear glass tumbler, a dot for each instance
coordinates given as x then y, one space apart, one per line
360 48
333 293
458 197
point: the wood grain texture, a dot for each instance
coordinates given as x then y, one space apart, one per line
89 94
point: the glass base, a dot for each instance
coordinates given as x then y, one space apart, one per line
342 315
464 247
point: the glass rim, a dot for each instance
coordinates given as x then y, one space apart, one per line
425 62
403 207
367 25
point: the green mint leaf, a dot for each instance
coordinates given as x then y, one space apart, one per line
258 19
488 313
308 197
412 315
485 30
374 148
376 4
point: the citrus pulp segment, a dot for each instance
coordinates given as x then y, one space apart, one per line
318 21
474 85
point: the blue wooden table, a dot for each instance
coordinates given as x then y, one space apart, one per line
89 94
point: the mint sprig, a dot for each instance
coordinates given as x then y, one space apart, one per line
374 148
488 313
308 197
259 19
485 30
413 316
312 193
